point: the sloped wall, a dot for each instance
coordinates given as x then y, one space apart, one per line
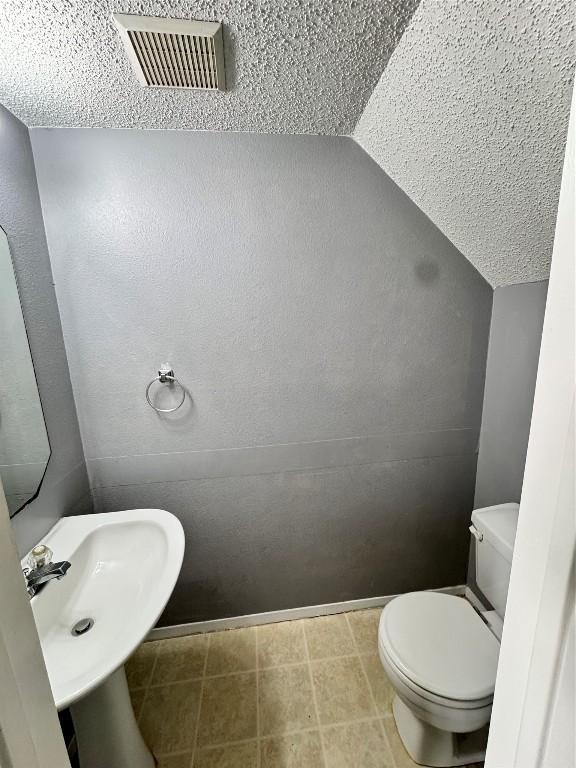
470 119
332 340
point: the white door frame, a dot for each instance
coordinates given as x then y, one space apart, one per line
30 734
540 610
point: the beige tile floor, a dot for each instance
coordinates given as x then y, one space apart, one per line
300 694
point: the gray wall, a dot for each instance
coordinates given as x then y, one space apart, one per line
332 340
65 487
514 347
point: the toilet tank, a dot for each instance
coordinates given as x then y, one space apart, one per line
495 531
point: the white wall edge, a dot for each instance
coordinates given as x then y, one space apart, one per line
289 614
474 600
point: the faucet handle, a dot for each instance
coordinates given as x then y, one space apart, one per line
39 557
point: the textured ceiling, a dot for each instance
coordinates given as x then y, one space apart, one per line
470 119
469 116
293 66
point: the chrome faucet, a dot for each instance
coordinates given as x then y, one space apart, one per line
41 569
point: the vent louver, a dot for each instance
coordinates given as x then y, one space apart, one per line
173 53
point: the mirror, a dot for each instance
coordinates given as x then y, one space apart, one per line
24 446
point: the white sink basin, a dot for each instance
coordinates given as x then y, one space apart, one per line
124 568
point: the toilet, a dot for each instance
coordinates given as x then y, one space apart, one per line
441 654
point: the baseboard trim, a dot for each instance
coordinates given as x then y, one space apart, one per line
272 617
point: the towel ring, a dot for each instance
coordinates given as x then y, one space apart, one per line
165 376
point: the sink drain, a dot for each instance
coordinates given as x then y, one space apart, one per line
82 626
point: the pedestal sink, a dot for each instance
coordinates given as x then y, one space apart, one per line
124 568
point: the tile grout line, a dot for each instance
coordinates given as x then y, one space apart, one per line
216 745
200 699
252 669
378 716
292 732
177 753
372 697
317 711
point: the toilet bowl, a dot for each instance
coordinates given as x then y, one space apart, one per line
441 655
441 660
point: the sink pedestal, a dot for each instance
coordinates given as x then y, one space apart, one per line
90 622
106 730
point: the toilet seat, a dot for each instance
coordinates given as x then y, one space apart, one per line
440 648
448 715
416 692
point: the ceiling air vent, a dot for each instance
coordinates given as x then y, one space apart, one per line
173 53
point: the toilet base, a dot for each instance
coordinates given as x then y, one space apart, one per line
433 747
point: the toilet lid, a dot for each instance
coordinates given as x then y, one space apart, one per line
441 644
